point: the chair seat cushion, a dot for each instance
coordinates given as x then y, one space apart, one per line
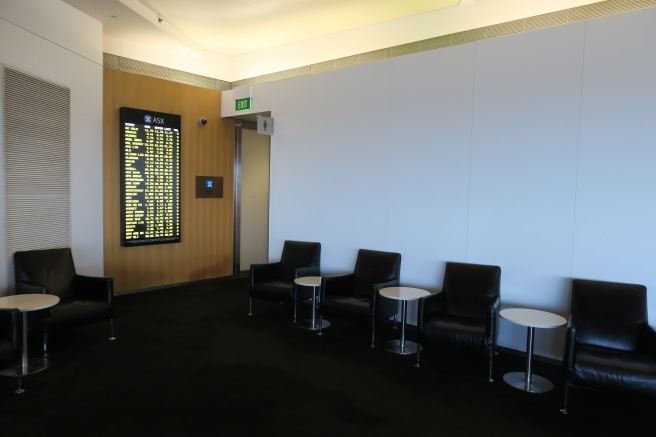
459 331
347 307
70 312
275 290
620 370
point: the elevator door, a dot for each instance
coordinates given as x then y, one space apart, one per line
254 200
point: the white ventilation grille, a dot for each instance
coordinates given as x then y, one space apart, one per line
37 137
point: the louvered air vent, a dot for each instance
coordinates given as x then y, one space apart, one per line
37 124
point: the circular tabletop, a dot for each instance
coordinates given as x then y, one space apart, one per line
309 281
403 293
532 318
29 302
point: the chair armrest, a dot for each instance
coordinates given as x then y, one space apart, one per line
381 306
94 287
379 286
332 284
570 344
11 326
299 272
648 341
493 318
261 272
495 304
429 306
29 288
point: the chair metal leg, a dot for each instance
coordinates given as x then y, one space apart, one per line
566 393
418 363
45 343
320 325
490 377
295 310
19 377
111 329
250 306
373 333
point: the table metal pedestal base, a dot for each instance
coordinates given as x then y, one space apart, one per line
34 365
395 346
307 324
538 383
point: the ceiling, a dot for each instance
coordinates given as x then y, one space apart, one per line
237 39
235 27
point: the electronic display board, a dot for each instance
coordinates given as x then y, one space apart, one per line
150 177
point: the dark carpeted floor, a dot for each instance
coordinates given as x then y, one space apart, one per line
189 361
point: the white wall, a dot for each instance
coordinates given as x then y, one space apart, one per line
55 42
534 152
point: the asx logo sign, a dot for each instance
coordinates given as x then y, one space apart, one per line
150 119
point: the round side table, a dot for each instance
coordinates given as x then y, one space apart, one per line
313 324
26 303
403 294
531 319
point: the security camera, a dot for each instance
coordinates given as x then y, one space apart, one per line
202 121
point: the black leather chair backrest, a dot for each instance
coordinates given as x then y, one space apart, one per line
608 314
51 268
298 254
374 267
470 288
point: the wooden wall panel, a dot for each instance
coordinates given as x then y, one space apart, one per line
205 251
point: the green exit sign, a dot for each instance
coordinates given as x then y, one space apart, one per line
243 104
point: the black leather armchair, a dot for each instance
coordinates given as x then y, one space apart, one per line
609 343
465 313
11 338
355 296
83 299
275 281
